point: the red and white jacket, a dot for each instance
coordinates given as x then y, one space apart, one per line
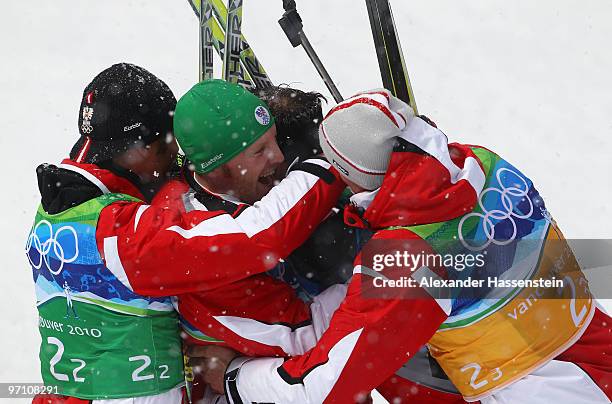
368 337
160 249
342 346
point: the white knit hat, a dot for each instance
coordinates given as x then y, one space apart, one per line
358 135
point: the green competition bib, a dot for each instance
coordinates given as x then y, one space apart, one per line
100 340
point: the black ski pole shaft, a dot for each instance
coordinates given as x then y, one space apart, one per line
331 86
291 23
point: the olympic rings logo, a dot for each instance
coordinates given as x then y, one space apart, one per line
487 224
44 248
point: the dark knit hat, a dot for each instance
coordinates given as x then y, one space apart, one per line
123 105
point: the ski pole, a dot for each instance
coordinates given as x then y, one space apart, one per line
291 23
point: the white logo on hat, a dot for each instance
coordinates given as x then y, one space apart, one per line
87 115
130 127
212 160
342 169
262 115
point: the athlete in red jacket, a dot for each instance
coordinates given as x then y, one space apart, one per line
257 315
419 199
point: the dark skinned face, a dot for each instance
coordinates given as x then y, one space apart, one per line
150 162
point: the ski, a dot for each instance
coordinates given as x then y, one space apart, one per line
258 74
206 41
389 51
232 66
254 71
218 43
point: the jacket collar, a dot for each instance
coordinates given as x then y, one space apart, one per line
105 180
211 200
363 200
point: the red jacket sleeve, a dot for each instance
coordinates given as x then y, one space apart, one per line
371 335
163 251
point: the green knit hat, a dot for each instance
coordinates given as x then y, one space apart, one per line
216 120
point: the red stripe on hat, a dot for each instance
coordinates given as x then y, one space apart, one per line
383 108
84 150
361 170
386 95
89 98
383 93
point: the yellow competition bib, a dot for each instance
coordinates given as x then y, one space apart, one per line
522 334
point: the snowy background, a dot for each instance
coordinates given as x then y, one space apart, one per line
528 79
